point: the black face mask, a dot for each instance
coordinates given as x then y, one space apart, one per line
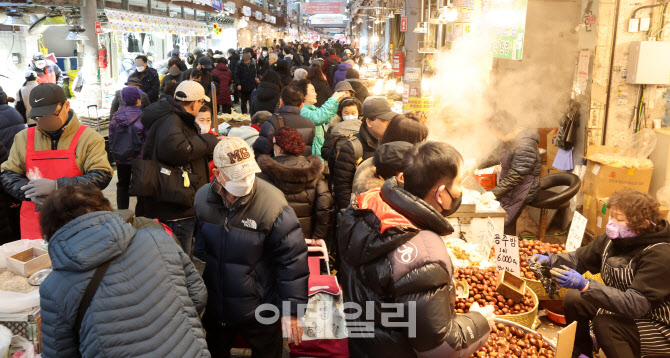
455 203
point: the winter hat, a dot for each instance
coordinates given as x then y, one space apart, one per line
389 158
248 133
289 140
134 80
130 95
344 86
300 74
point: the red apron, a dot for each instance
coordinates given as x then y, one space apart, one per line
48 76
52 164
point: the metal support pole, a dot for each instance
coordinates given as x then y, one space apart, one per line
413 59
149 7
124 4
183 14
91 94
440 27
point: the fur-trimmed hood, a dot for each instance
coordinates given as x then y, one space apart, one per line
290 173
367 179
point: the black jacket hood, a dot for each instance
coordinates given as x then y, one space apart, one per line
267 91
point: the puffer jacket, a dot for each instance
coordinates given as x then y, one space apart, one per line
146 305
225 77
255 253
341 73
338 129
302 182
11 123
127 116
176 137
358 86
323 91
150 83
117 102
245 75
346 163
521 168
90 154
267 98
293 119
391 252
320 116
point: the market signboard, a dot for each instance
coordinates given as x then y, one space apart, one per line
316 7
217 4
135 22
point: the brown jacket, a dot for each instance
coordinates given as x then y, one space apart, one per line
90 155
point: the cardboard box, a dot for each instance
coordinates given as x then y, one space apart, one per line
552 149
590 212
602 180
547 169
602 216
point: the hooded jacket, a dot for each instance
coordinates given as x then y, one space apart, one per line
177 141
167 79
358 86
255 253
323 91
225 77
391 249
117 102
302 182
320 116
11 123
51 73
338 129
147 302
267 98
341 73
127 116
293 119
346 164
90 153
245 75
150 83
649 288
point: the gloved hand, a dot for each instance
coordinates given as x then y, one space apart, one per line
486 311
541 259
38 200
486 198
39 187
569 278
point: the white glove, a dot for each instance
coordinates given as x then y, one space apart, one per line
486 311
487 198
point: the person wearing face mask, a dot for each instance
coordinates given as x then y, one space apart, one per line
47 71
394 232
117 101
629 313
245 79
264 62
60 151
174 138
521 162
346 123
148 76
173 75
255 255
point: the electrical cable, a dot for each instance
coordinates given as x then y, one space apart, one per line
648 6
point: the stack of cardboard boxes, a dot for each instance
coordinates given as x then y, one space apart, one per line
600 181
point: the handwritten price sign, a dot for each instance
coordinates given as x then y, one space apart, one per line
576 233
507 253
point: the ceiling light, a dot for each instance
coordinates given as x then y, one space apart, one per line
76 34
15 18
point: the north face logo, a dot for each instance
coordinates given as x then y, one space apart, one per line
239 155
249 223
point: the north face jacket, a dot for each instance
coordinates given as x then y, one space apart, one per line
255 253
302 182
392 253
146 305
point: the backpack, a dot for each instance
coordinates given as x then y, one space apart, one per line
335 153
126 144
331 69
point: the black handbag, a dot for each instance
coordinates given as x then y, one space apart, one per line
161 182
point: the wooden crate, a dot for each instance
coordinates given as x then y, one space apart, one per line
27 262
511 286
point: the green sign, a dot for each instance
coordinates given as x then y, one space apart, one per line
510 31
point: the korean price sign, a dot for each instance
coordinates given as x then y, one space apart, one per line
507 253
576 233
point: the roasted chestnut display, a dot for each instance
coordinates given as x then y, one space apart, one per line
483 291
512 342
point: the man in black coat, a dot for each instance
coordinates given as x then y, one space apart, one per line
256 256
353 77
175 140
148 76
233 59
290 104
393 256
245 79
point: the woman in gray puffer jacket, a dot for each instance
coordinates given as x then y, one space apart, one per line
148 300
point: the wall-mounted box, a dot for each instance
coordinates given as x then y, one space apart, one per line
648 63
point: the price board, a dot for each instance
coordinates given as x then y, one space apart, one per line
576 233
507 254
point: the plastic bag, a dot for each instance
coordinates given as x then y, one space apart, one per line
663 196
543 274
13 302
23 348
15 247
5 340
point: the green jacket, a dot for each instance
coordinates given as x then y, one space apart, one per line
320 116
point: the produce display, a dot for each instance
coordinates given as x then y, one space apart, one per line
225 117
531 247
483 284
463 254
512 342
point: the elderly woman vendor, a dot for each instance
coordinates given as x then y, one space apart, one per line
629 315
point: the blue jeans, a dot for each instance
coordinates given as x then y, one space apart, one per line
183 230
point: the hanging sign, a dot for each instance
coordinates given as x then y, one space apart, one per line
418 104
98 27
576 233
216 4
507 254
403 24
246 11
258 15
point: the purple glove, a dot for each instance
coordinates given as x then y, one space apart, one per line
541 259
569 278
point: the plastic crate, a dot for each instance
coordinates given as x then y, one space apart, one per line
26 324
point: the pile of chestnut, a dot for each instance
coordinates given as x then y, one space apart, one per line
483 291
531 247
512 342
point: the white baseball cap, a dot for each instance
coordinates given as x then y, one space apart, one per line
234 157
190 91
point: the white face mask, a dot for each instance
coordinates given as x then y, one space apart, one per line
265 53
204 128
242 187
348 118
141 68
41 64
